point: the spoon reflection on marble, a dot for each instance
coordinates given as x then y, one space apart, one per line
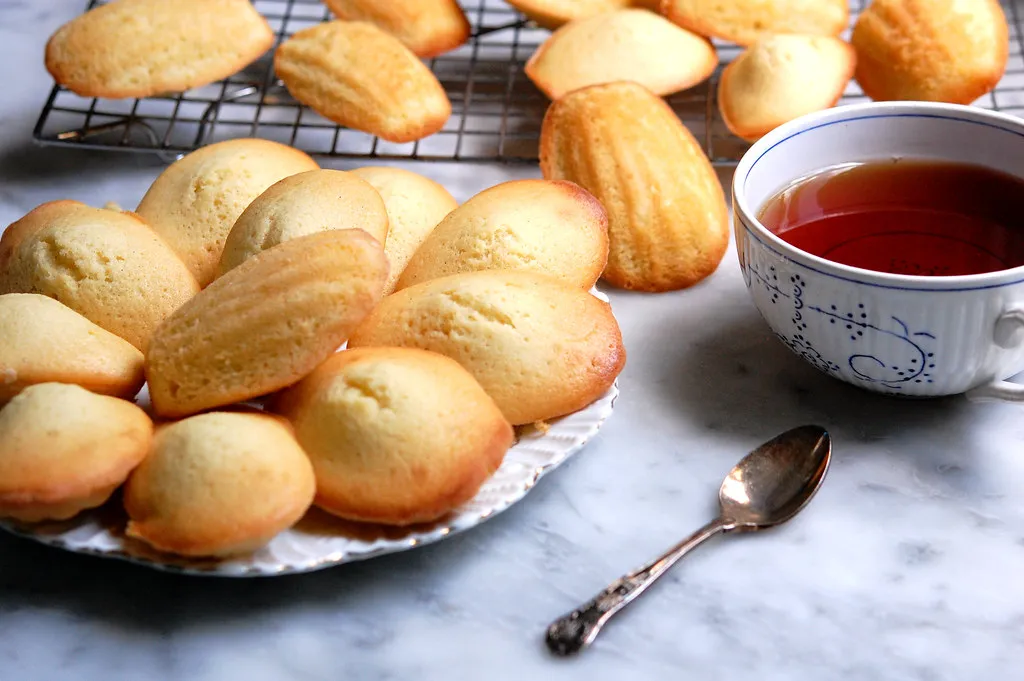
768 487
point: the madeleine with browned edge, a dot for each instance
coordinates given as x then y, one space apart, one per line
554 228
667 216
396 435
358 76
931 50
266 323
539 347
746 21
427 27
219 484
64 449
554 13
141 48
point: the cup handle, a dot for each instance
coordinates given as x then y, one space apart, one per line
1008 333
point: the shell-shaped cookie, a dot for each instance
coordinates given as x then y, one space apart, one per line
139 48
628 44
747 21
552 228
667 217
306 203
935 50
539 347
396 435
43 341
781 78
554 13
219 484
415 205
427 27
266 323
194 203
394 95
109 267
64 449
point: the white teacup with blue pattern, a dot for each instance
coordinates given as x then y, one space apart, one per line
891 333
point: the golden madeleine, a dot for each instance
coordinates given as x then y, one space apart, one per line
306 203
628 44
358 76
427 27
667 216
539 347
194 203
935 50
396 435
64 449
219 484
108 266
554 13
780 78
140 48
554 228
415 205
266 323
746 21
43 341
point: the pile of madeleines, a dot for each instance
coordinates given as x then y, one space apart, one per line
364 70
350 339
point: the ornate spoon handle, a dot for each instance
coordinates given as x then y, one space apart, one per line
573 632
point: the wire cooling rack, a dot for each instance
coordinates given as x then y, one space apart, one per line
496 110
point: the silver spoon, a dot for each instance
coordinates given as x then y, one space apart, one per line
768 487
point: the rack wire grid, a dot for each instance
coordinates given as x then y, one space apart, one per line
496 111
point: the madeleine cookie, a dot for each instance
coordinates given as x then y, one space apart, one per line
781 78
553 228
396 435
266 323
219 484
43 341
937 51
140 48
539 347
310 202
628 44
109 267
194 203
393 96
747 21
667 217
427 27
415 205
64 450
554 13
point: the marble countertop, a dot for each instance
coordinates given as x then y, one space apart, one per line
906 566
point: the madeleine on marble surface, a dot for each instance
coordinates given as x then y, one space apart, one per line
539 347
939 51
108 266
415 205
667 216
628 44
550 227
219 484
781 78
64 449
746 21
393 95
427 27
43 341
140 48
305 203
554 13
194 203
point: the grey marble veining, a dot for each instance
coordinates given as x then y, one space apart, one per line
906 566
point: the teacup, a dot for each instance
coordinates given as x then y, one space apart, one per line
899 334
